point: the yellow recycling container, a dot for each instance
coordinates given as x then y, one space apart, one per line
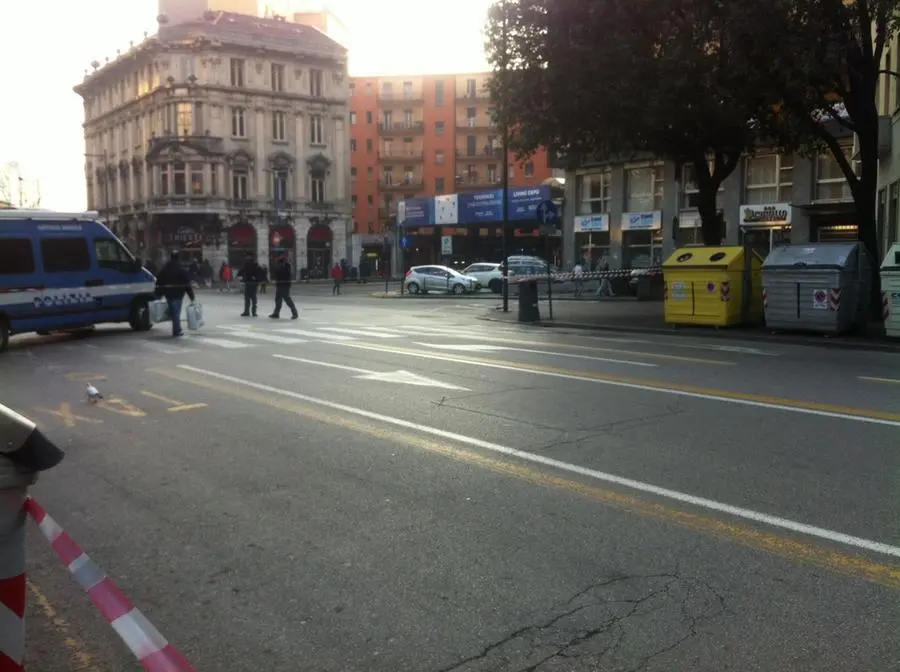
704 286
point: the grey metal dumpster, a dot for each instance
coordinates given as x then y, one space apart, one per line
528 301
821 287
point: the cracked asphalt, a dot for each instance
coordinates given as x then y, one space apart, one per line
397 485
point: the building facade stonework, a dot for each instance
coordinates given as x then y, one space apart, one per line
220 136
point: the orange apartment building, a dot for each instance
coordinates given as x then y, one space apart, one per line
421 136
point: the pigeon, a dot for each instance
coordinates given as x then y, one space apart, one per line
93 394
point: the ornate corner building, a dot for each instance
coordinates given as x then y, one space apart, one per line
221 135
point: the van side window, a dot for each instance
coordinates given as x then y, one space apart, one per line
65 255
16 256
110 254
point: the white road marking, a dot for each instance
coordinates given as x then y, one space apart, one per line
268 338
401 377
633 386
315 334
873 379
221 342
165 349
465 347
537 352
356 332
118 358
631 484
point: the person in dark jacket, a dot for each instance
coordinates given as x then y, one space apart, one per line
250 275
173 282
283 276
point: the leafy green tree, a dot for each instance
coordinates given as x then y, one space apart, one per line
607 79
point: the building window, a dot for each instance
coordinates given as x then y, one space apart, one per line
315 83
317 188
316 131
213 180
164 186
387 176
439 184
831 185
179 179
439 128
370 200
352 144
594 193
196 179
439 157
353 176
278 126
644 189
353 118
529 169
237 72
239 185
691 191
369 117
439 92
370 174
369 145
769 179
277 77
238 122
353 201
280 186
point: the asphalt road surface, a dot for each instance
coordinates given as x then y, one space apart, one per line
397 485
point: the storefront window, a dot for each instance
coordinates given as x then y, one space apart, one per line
641 249
769 179
592 241
691 191
644 189
594 193
831 185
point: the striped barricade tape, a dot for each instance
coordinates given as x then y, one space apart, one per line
590 275
12 596
885 307
765 298
151 649
724 291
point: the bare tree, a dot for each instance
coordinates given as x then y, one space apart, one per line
17 191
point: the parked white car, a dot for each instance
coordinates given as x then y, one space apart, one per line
422 279
488 274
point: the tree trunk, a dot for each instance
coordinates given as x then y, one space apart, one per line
710 222
864 195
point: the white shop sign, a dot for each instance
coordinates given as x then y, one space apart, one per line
773 214
642 221
689 220
446 245
592 223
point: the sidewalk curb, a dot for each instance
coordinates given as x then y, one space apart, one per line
834 343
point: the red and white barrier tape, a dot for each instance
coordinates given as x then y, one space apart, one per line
590 275
151 649
885 307
12 623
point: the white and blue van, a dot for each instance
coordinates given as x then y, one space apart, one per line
67 272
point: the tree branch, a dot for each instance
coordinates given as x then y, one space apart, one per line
892 73
840 119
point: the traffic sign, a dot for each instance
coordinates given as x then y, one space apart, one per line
547 212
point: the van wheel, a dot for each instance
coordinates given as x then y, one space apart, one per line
4 334
495 286
140 316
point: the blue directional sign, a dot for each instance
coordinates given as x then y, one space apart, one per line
547 212
404 242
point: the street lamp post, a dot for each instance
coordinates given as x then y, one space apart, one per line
505 186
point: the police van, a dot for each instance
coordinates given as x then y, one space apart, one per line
67 272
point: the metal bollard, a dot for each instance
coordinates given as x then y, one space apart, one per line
24 451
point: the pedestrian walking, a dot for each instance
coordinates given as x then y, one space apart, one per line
250 274
605 288
337 274
578 277
173 282
264 280
283 277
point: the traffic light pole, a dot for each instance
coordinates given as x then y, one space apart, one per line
505 174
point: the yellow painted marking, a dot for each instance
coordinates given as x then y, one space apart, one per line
174 406
662 386
69 419
121 407
84 377
81 660
872 379
842 563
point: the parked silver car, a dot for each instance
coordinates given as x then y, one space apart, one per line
422 279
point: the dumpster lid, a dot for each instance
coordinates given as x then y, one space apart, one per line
709 257
812 255
891 260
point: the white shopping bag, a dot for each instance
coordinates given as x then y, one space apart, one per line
159 311
194 316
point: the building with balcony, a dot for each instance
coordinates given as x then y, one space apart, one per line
413 136
223 134
635 214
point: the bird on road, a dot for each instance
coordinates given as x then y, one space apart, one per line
93 394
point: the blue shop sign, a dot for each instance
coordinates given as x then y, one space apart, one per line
523 201
482 206
415 212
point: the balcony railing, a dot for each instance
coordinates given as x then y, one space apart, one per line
476 124
471 183
478 94
205 144
494 154
401 128
412 184
392 98
399 155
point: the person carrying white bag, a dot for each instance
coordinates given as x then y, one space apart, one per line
173 283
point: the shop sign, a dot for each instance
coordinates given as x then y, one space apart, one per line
183 235
446 209
775 214
415 212
483 206
446 245
642 221
689 220
592 223
522 202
